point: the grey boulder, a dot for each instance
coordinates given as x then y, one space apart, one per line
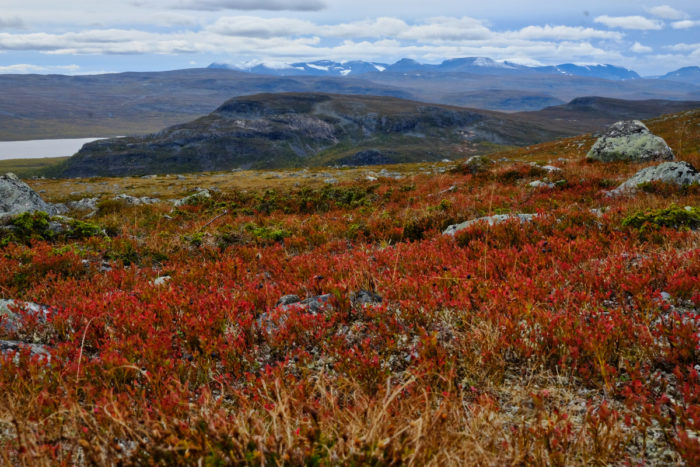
16 197
629 141
679 173
490 220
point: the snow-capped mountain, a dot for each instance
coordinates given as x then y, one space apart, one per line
316 68
473 65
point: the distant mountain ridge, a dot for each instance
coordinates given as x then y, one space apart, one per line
689 74
476 65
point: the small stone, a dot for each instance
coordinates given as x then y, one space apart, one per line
365 297
288 300
161 280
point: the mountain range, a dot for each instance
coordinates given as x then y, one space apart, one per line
476 65
59 106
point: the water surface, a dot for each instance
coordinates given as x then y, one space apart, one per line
41 148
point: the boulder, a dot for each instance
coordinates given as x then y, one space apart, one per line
133 200
195 198
477 164
491 220
629 141
84 204
679 173
16 197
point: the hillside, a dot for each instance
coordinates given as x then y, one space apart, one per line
294 130
591 114
322 317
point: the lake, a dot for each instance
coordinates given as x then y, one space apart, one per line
41 148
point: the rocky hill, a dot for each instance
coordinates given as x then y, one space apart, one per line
306 129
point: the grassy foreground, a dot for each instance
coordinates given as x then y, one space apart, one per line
569 340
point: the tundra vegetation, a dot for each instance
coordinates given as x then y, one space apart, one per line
174 339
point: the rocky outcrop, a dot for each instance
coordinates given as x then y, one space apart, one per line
490 220
16 197
629 141
679 173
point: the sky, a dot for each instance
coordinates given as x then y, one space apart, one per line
103 36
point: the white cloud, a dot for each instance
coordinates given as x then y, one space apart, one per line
447 29
630 22
641 49
252 26
685 24
668 12
379 27
272 5
683 47
171 19
22 68
566 33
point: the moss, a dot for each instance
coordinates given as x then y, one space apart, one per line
267 234
32 225
673 217
79 229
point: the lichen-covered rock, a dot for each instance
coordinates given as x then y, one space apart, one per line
679 173
194 198
629 141
477 164
17 197
135 201
491 220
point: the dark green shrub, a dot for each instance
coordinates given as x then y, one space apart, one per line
673 217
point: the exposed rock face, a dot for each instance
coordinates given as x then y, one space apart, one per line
491 220
631 141
680 173
16 197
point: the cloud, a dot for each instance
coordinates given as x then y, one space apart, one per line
252 26
685 24
271 5
630 22
566 33
447 29
641 49
668 12
171 20
22 68
683 47
13 22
